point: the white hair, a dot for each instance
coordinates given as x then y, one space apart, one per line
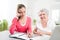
45 10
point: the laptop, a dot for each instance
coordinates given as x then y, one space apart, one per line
56 33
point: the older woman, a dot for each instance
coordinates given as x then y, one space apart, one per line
45 25
21 23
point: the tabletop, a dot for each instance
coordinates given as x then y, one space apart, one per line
4 35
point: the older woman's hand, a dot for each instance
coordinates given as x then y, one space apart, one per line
48 33
40 33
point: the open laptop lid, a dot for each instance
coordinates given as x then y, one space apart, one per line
56 33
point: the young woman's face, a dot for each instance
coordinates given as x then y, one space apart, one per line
21 12
43 15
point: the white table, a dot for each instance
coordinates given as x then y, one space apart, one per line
4 35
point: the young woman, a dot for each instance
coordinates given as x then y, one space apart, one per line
21 23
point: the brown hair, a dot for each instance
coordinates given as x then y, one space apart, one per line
20 6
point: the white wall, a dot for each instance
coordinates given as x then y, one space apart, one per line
55 8
3 9
37 5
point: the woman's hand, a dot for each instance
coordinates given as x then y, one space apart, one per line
29 35
40 33
48 33
35 31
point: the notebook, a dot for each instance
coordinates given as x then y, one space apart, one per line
20 36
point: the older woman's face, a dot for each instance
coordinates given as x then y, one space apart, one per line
21 12
43 15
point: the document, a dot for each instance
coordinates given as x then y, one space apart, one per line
16 35
20 36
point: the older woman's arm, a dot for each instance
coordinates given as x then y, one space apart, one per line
48 33
35 30
38 32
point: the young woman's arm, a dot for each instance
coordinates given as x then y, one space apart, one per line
13 26
29 30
